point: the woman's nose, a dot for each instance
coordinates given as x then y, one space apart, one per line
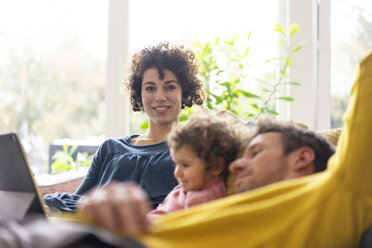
160 95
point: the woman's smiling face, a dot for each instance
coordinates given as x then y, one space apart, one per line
162 98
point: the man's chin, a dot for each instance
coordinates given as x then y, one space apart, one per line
239 189
243 188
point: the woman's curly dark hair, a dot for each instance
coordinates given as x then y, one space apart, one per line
177 59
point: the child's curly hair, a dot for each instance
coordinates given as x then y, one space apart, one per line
177 59
209 136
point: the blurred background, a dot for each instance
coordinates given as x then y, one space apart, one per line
54 58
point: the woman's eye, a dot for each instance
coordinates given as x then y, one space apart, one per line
149 88
171 87
185 165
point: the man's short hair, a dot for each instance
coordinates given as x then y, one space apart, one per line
294 137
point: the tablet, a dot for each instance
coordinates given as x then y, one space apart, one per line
19 193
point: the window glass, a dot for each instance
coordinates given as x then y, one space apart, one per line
351 40
189 21
52 72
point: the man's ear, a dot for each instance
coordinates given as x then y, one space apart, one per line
304 159
219 166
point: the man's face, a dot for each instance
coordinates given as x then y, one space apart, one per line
263 163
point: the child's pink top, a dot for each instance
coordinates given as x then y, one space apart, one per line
177 199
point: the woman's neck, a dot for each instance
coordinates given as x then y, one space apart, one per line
154 134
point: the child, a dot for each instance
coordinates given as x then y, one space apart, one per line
202 150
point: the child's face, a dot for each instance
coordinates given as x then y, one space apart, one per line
190 171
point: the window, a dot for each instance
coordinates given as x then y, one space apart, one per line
186 22
52 72
53 81
351 40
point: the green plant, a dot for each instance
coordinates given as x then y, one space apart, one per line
64 160
223 67
222 93
284 63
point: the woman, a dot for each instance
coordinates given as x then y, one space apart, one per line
162 80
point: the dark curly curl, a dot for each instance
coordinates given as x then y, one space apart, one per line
210 137
177 59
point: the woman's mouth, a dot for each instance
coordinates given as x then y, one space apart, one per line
161 109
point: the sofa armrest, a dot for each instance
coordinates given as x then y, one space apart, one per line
65 187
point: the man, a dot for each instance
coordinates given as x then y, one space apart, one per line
332 208
328 209
277 152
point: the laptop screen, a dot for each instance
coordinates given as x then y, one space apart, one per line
18 191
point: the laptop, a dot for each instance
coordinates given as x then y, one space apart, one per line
19 193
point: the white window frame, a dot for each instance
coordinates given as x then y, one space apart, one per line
324 65
311 65
117 105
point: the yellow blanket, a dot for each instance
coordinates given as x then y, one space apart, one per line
328 209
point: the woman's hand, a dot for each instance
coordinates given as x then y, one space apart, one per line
119 207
